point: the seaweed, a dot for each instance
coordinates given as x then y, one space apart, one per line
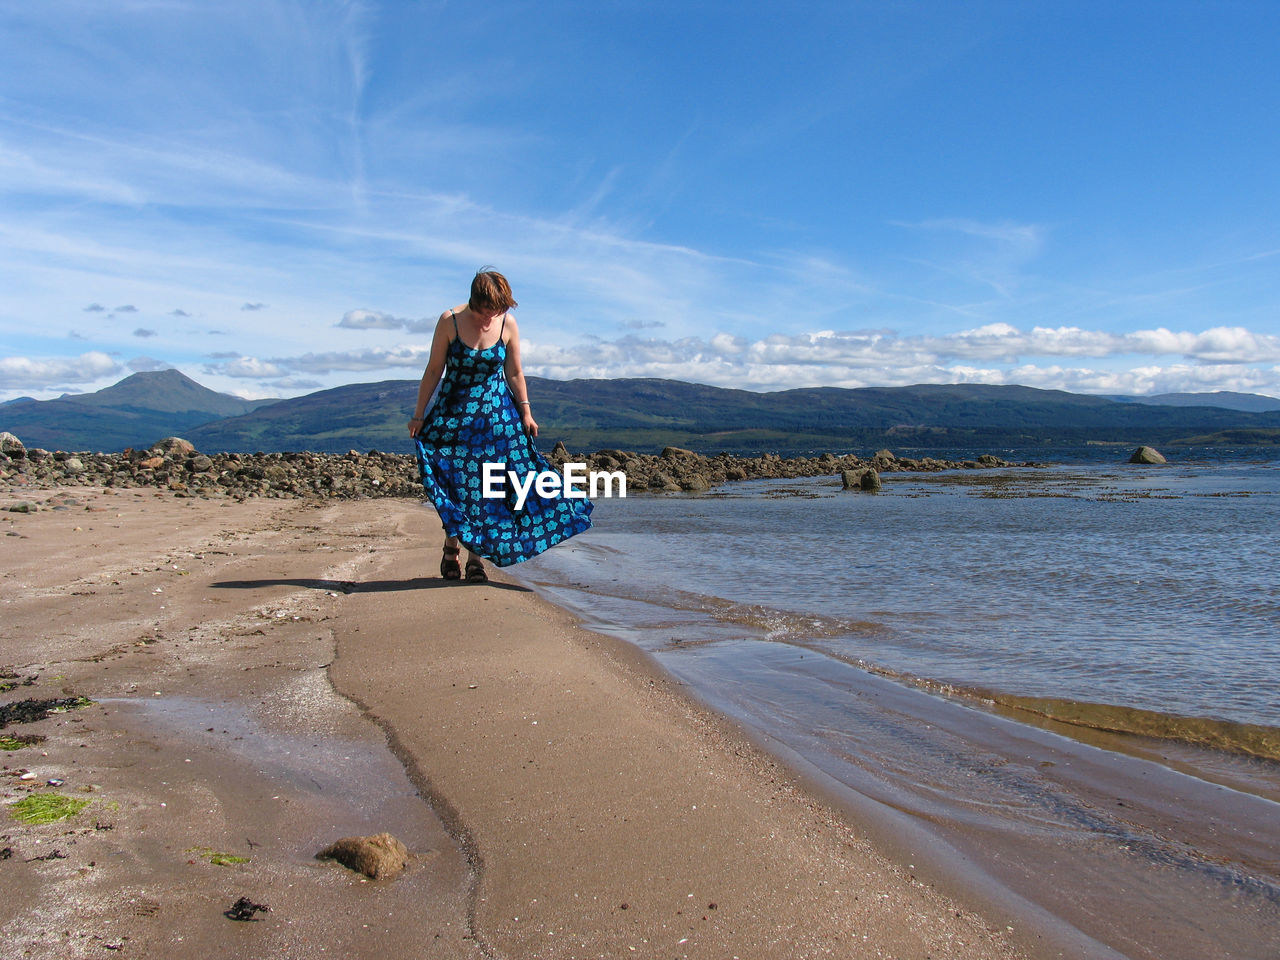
29 711
217 858
47 808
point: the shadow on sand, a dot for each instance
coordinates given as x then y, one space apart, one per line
366 586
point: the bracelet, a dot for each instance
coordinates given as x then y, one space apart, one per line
522 403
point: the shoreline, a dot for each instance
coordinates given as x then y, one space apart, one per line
573 778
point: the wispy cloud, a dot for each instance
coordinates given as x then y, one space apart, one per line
252 307
144 332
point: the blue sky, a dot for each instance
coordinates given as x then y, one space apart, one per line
276 197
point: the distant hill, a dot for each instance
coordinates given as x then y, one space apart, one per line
137 411
638 414
1250 402
647 414
359 416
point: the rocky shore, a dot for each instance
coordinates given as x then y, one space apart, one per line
174 464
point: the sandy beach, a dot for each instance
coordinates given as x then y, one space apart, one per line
270 675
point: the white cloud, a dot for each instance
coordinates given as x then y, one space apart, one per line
144 364
412 357
377 320
19 373
1217 359
247 367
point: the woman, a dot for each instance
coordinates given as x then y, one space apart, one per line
481 415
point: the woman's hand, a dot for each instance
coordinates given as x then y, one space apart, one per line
415 426
530 425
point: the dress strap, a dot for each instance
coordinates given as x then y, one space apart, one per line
503 328
456 335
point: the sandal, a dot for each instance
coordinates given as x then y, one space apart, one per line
449 568
475 572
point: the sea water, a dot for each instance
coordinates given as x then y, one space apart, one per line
991 661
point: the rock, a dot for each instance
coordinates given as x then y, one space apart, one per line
173 447
74 465
201 464
1146 455
885 455
378 857
864 478
695 483
22 506
151 463
673 453
12 447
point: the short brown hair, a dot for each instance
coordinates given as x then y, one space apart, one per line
490 292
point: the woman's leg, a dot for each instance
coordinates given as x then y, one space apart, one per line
449 568
475 567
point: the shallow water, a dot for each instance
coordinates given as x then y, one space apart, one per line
885 641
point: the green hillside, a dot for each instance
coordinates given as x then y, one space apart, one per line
638 414
646 415
137 411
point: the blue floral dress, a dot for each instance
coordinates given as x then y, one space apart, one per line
473 421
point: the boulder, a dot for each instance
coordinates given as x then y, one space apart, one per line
864 478
1146 455
378 857
674 453
12 447
172 447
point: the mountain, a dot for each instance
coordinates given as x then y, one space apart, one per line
646 414
1251 402
637 414
137 411
359 416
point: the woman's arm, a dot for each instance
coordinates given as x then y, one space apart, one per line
515 378
434 371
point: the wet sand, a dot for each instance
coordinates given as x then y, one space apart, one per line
271 675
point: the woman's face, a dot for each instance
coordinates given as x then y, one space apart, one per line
485 316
